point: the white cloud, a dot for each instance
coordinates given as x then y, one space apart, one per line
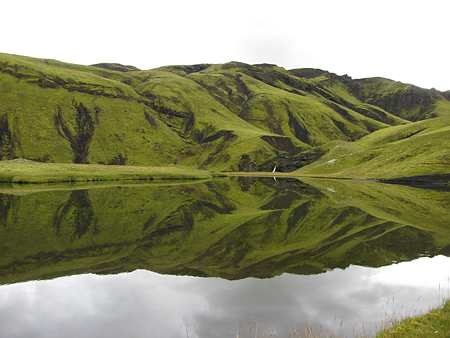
403 40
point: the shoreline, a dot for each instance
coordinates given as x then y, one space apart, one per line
22 171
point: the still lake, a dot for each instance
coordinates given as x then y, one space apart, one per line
232 257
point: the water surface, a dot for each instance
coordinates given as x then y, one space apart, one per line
218 258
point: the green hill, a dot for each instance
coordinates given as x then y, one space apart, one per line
413 150
231 116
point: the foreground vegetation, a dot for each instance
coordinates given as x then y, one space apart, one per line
434 324
23 171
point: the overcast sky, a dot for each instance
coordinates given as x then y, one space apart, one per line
406 40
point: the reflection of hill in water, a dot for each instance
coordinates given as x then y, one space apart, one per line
231 228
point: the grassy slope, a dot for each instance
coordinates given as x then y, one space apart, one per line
228 228
120 124
410 150
204 117
382 97
408 101
225 117
22 171
434 324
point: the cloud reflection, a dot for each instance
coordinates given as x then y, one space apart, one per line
146 304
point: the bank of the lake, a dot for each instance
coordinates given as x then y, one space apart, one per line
25 171
433 324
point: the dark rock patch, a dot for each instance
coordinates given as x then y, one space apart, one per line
80 138
7 139
281 143
298 129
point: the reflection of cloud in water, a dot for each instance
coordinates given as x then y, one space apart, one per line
146 304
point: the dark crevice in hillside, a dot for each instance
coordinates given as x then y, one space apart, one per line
341 111
281 143
246 95
247 164
299 131
150 119
216 93
78 210
209 134
272 122
80 138
7 139
182 122
343 128
227 139
376 114
289 162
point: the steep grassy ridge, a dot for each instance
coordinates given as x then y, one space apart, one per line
416 149
404 100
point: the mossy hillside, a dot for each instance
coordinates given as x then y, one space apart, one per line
338 90
228 228
49 73
210 116
379 97
298 115
410 102
417 149
120 126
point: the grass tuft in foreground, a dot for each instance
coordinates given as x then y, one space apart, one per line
434 324
24 171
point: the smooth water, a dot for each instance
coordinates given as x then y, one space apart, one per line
224 258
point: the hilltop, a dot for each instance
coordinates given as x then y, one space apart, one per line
227 117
